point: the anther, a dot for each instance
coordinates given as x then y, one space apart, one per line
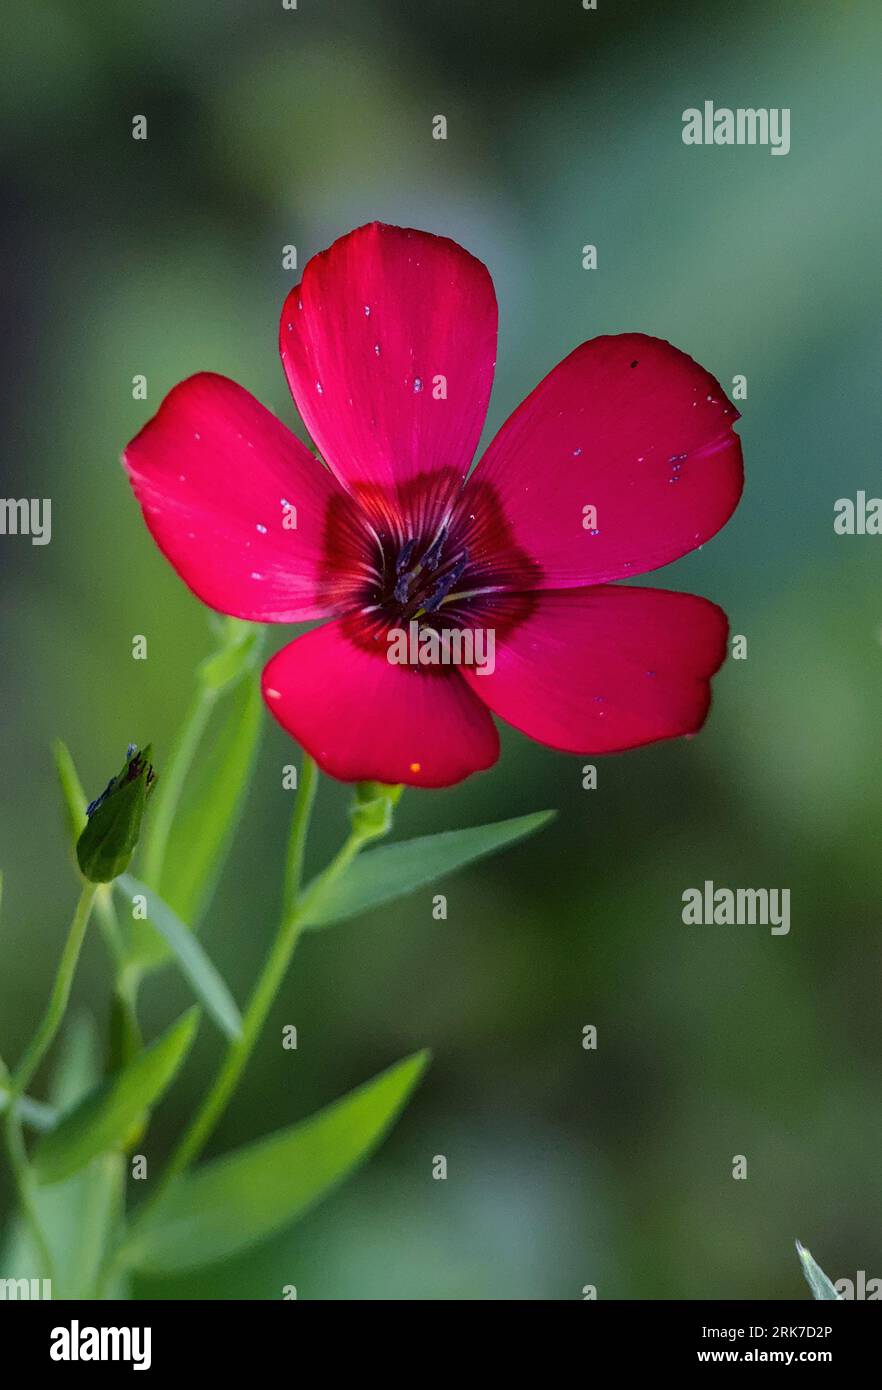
445 584
406 552
433 554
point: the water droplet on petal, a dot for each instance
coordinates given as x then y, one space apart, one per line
417 385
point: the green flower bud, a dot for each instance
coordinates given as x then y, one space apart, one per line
114 819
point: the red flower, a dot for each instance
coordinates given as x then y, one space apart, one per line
621 460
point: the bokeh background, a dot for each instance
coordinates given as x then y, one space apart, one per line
269 127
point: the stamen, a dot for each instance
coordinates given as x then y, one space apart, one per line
433 554
445 584
407 550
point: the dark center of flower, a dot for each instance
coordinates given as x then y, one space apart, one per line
424 553
417 578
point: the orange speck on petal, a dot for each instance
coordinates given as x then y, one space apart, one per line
416 767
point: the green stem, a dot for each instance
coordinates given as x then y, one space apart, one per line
55 1010
169 788
299 830
33 1113
24 1186
125 1031
108 924
30 1062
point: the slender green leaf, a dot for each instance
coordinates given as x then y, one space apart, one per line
102 1119
194 964
820 1285
71 789
235 1201
393 870
212 802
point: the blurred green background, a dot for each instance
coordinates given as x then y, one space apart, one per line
163 257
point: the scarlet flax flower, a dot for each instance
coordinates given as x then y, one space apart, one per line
622 459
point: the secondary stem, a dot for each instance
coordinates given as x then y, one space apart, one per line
299 830
55 1010
171 784
33 1056
24 1185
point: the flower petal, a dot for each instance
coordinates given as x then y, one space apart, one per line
604 669
365 719
378 318
627 425
213 471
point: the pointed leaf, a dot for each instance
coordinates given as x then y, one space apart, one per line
102 1119
393 870
236 1201
190 956
820 1285
212 802
71 789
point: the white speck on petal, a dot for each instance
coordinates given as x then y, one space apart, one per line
260 528
272 694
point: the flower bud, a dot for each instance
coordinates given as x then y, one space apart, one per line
114 819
